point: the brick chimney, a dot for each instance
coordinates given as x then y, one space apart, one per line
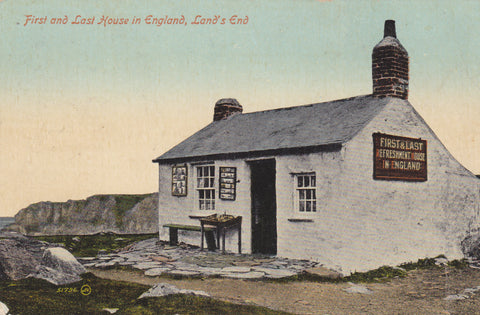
390 65
226 107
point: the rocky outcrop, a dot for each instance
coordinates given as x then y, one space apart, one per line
21 257
122 214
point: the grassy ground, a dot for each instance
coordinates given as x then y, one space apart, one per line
34 296
90 245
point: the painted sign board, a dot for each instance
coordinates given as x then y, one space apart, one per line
228 183
399 158
179 180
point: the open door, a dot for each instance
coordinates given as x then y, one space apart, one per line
264 207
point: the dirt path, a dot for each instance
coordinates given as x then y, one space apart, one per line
421 292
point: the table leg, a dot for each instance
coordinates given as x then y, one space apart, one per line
223 240
202 233
239 239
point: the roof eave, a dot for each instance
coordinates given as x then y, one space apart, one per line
329 147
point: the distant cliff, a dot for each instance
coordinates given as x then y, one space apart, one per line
123 214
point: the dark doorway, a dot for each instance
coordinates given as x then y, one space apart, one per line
264 207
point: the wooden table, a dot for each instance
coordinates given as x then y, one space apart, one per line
221 224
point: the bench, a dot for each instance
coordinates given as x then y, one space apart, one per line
173 228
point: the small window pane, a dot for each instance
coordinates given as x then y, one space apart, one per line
300 181
307 196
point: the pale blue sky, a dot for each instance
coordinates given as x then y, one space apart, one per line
85 107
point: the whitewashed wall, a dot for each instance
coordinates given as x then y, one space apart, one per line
363 223
177 210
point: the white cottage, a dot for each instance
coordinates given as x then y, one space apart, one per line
355 183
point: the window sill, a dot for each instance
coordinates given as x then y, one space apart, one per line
300 220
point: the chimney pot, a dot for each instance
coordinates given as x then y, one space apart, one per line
389 29
225 108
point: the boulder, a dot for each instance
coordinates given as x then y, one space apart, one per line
61 259
23 257
3 309
19 257
59 267
54 276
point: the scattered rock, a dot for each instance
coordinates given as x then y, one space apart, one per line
3 309
275 273
456 297
157 257
356 288
110 310
441 261
246 263
160 258
86 258
147 265
155 271
76 239
185 273
248 275
472 290
323 272
236 269
163 289
264 260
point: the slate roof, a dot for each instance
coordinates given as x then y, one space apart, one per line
327 125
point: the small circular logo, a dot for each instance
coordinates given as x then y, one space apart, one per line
85 289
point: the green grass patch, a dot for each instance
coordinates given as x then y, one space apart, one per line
382 274
35 296
186 304
90 245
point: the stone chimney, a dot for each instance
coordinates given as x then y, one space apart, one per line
390 65
226 107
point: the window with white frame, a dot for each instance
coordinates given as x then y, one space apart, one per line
206 187
305 185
